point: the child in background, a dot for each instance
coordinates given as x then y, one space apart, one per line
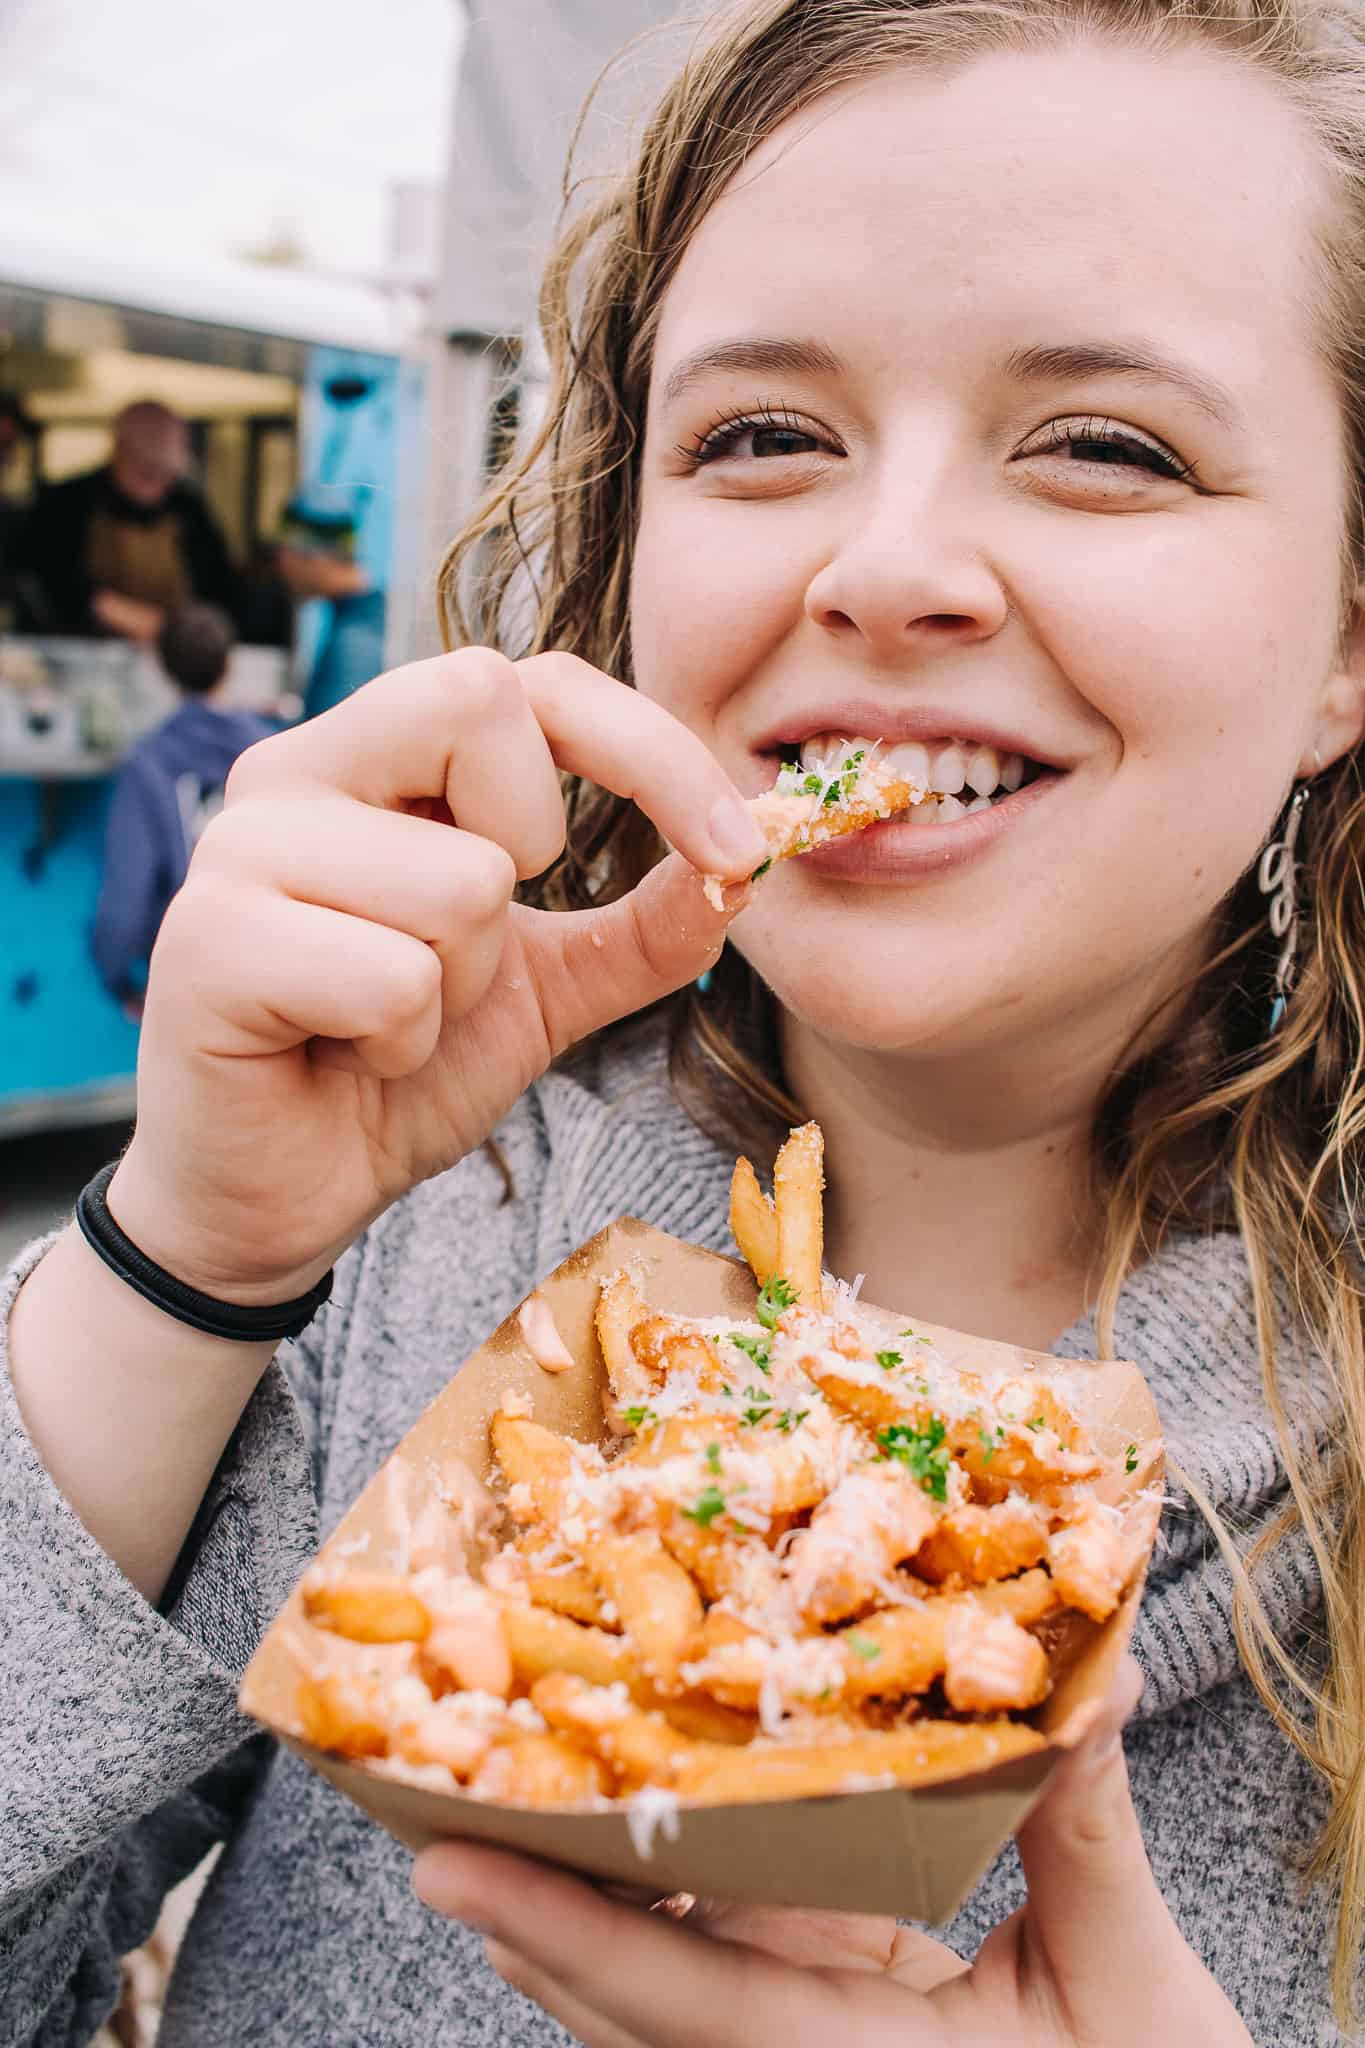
166 791
979 377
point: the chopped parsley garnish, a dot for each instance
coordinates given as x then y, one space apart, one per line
759 1349
812 785
1038 1422
923 1451
639 1418
709 1503
791 1418
991 1440
862 1646
762 869
889 1360
773 1296
713 1458
1130 1458
836 790
751 1417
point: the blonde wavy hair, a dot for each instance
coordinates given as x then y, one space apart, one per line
1217 1125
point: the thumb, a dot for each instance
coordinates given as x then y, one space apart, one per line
593 966
1092 1897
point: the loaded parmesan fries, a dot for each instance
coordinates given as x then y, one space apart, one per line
809 1556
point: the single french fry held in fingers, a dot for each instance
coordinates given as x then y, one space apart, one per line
809 1553
753 1222
808 807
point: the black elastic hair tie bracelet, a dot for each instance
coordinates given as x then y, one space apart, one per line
246 1325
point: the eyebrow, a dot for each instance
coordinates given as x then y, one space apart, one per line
756 352
1122 359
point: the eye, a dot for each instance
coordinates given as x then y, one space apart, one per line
1103 443
759 435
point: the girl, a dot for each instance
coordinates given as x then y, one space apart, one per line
978 376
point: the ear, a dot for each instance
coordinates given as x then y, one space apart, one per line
1340 713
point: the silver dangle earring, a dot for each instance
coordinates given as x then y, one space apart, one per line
1277 878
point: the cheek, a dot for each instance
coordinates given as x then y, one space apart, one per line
1195 640
711 598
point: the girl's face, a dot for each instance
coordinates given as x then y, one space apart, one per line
988 416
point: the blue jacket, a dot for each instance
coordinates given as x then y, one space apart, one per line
167 790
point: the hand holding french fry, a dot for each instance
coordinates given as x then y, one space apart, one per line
345 998
1093 1956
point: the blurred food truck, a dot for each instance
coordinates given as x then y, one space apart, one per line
302 396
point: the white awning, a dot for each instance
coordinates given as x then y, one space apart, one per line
525 71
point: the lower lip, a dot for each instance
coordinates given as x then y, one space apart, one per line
898 851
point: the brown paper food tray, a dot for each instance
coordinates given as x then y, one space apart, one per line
916 1853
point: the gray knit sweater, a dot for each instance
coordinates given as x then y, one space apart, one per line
124 1757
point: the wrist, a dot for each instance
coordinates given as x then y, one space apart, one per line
208 1258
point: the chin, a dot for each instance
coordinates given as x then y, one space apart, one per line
857 991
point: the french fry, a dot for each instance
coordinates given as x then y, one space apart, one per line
583 1711
346 1714
659 1606
536 1459
753 1223
620 1307
923 1754
539 1770
798 1178
978 1544
990 1663
540 1641
703 1719
997 1455
563 1586
1088 1561
664 1346
438 1736
682 1436
875 1517
742 1568
467 1647
366 1607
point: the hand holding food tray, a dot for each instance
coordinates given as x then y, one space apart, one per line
781 1598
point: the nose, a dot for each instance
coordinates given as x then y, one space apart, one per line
909 574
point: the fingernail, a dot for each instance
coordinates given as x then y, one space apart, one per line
734 896
734 834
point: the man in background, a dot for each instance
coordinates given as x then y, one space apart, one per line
14 428
167 790
116 551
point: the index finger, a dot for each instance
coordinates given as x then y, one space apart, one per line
424 731
656 1978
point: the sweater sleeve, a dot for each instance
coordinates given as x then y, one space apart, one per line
126 1757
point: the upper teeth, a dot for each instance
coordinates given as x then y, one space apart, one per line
946 769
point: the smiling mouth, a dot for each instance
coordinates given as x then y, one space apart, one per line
960 777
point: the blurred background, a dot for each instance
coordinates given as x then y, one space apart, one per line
267 275
266 287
